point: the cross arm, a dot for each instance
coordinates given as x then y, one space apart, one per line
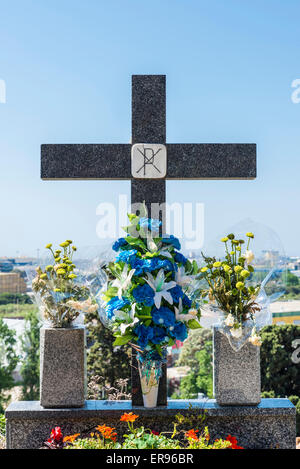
211 161
92 161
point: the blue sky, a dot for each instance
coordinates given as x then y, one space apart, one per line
67 66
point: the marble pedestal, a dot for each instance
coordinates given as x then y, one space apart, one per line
236 374
270 425
62 367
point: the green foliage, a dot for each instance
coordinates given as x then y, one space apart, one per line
197 354
278 372
142 439
13 310
102 357
2 425
8 361
195 342
20 298
292 280
30 369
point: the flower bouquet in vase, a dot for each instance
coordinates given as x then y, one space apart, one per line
62 298
233 303
148 300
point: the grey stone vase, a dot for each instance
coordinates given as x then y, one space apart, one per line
236 373
62 367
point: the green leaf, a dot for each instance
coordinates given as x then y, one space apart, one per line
195 267
193 324
122 340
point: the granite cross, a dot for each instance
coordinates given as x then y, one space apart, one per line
148 162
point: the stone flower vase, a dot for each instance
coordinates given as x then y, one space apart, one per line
236 374
62 367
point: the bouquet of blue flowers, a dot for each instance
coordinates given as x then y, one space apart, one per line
150 301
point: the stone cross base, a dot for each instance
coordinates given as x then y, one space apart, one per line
271 424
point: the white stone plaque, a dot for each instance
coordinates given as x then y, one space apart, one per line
148 161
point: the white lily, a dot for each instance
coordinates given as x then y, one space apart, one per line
153 247
192 314
160 288
123 282
129 318
181 278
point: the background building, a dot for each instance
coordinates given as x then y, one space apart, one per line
12 283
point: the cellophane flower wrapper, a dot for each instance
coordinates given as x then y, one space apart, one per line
152 361
64 308
212 315
269 270
147 298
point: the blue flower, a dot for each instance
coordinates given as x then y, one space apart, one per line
126 256
163 316
180 258
179 331
144 294
120 242
159 335
163 264
176 293
150 224
144 334
115 303
186 301
172 240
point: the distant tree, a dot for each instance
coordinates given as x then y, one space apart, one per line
102 358
9 298
197 354
8 361
196 341
291 279
278 372
30 369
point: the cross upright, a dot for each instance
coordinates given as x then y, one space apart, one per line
148 162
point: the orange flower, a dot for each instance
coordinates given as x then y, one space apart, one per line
70 438
192 434
107 432
233 441
129 417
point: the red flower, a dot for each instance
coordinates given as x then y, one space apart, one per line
154 432
55 435
192 434
233 441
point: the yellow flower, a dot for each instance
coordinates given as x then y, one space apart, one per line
245 273
204 269
71 276
227 269
69 241
64 244
44 276
225 239
250 235
217 264
238 268
240 285
74 248
57 290
49 268
61 272
48 246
